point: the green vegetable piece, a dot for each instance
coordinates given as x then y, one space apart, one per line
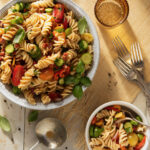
128 130
114 119
4 124
59 62
51 36
22 6
68 31
86 58
61 81
80 67
82 25
76 81
6 29
36 54
49 10
33 116
36 72
60 30
14 10
98 131
91 131
16 90
134 122
85 81
9 48
27 6
128 127
140 137
17 7
20 35
83 45
13 21
18 20
139 118
69 80
78 92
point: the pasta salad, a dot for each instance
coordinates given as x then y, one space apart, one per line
107 132
45 51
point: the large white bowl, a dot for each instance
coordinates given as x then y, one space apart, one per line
128 105
7 92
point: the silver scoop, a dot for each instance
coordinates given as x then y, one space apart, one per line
51 133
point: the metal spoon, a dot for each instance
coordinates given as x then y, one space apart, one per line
51 133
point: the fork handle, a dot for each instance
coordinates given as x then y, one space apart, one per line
140 81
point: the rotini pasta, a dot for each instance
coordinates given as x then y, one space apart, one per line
26 79
42 49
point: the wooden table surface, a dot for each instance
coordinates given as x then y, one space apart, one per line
108 84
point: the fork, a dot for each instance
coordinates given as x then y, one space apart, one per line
120 48
136 57
132 75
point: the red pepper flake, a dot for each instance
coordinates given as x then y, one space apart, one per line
44 45
17 46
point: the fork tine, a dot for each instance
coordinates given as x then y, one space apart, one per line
116 62
117 48
140 53
122 44
134 53
122 66
137 52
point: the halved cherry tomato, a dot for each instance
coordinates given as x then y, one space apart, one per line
46 74
58 13
65 23
18 72
94 120
141 144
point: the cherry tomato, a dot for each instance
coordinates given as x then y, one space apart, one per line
56 76
65 23
46 74
18 72
58 13
141 144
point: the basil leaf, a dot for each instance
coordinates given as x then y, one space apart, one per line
80 67
20 35
85 81
69 80
82 25
4 124
78 92
33 116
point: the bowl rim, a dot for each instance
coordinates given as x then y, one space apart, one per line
122 103
21 101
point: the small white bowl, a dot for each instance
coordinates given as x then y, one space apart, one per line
128 105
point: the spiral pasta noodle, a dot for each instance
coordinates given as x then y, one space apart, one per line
43 3
30 97
28 47
67 91
71 54
45 99
44 63
26 79
10 33
47 27
123 139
